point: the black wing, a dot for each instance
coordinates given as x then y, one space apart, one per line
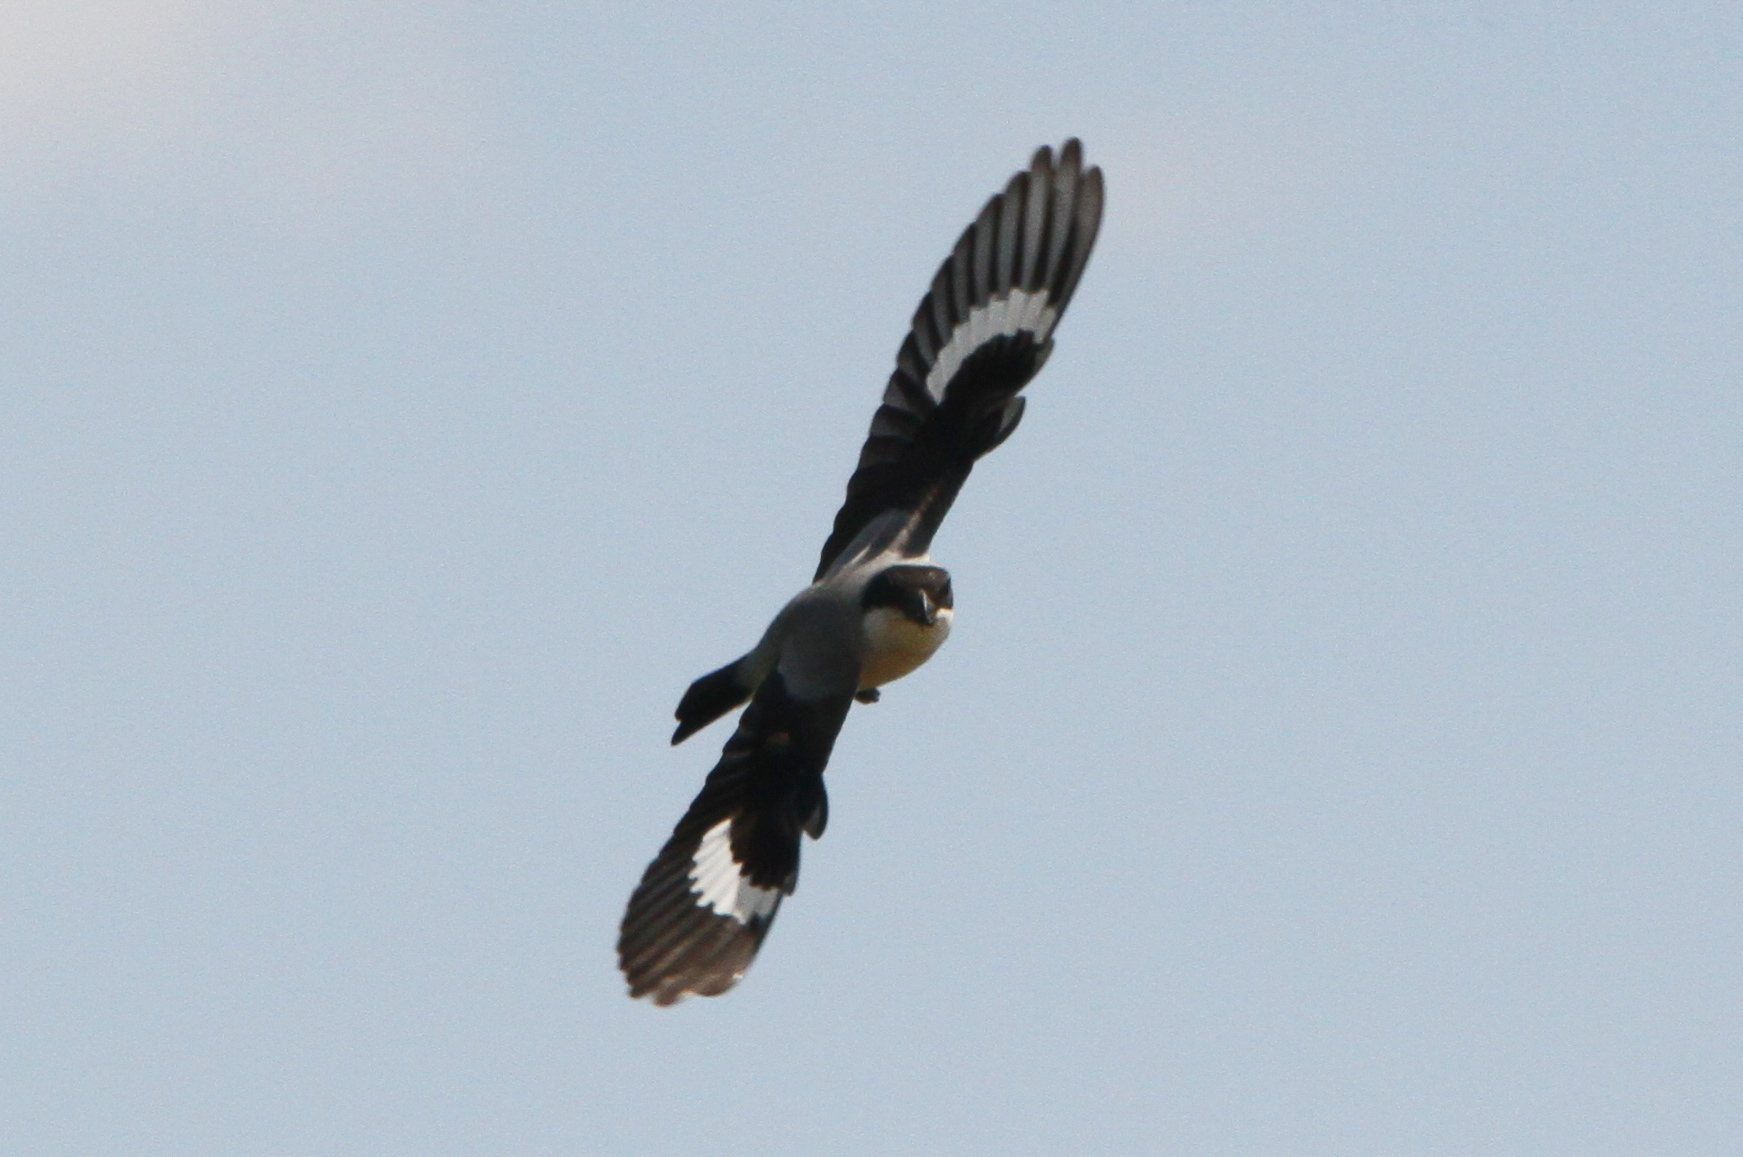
979 336
706 902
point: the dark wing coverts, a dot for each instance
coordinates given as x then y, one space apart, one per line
979 336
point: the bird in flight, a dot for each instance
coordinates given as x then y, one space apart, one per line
877 607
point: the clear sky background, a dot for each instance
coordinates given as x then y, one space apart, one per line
1340 747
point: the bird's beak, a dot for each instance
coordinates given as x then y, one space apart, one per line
928 610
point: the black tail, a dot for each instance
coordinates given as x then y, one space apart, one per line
709 698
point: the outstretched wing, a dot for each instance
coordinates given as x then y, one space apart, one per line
979 336
706 902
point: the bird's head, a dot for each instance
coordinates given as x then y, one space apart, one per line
919 592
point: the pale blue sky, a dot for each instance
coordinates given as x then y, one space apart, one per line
1338 749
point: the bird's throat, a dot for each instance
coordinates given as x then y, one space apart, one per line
896 644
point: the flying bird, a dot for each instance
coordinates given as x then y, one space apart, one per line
877 607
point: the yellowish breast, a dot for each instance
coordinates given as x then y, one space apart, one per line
896 644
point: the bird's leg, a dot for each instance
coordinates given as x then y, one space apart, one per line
869 695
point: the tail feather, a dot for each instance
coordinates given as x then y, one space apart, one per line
710 697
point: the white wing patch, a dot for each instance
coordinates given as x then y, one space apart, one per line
715 878
1018 310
